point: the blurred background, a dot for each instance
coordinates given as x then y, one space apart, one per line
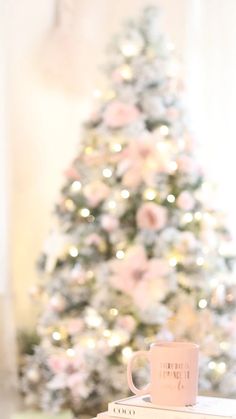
47 84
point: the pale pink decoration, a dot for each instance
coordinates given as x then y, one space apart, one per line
117 76
72 173
93 240
185 201
141 160
118 114
57 303
75 326
96 192
141 278
109 223
127 323
186 164
151 216
58 363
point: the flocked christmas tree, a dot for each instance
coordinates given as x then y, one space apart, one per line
138 254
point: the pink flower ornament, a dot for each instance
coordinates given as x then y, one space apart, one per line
185 201
119 114
151 216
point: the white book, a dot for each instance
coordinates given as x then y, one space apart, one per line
140 407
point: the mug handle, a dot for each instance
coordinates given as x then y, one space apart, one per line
133 388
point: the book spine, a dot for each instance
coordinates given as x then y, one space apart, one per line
139 412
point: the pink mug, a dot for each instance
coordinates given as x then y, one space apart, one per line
174 373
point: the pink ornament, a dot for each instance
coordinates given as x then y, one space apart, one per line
75 326
151 216
109 223
96 192
58 363
57 303
118 114
72 173
185 201
186 164
127 323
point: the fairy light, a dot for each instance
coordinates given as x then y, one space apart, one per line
91 343
170 198
125 193
127 353
69 204
221 367
224 346
129 49
93 320
84 212
113 311
173 166
70 352
212 365
73 251
202 303
97 93
198 216
111 204
126 72
149 194
173 262
106 333
200 261
107 173
120 254
56 336
76 186
187 218
164 130
116 147
114 340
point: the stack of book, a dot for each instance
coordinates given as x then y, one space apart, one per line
142 408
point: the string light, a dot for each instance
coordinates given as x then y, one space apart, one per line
73 251
125 193
129 49
84 212
202 303
221 367
70 205
224 345
120 254
173 166
113 311
111 204
114 340
107 173
164 130
212 365
187 218
173 262
106 333
116 147
170 198
127 353
70 352
56 336
149 194
200 261
198 216
97 93
126 72
76 186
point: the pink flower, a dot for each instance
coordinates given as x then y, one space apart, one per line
151 216
186 164
141 160
127 323
118 114
75 326
57 363
109 223
185 201
141 278
96 192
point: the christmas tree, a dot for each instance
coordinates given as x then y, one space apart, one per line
137 253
